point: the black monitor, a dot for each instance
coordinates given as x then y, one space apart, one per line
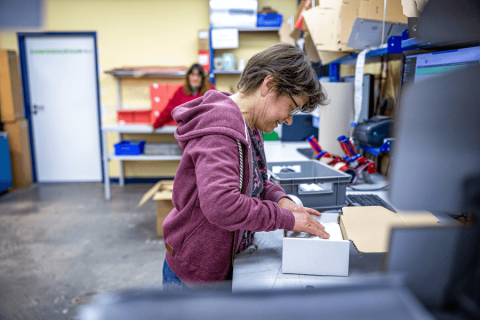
425 65
436 167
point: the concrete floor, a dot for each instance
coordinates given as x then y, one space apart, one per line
62 244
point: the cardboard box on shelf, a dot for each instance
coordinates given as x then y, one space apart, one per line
19 144
373 9
11 96
203 40
367 228
330 23
161 192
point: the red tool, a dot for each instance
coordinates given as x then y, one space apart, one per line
320 153
355 163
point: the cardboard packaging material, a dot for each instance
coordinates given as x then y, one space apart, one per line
330 23
373 9
312 255
203 40
285 33
324 24
19 144
310 50
367 228
11 96
161 192
329 56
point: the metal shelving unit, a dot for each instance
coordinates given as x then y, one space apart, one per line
214 72
227 72
130 128
142 73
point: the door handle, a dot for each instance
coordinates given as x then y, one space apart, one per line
36 108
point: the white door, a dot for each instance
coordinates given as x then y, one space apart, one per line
62 83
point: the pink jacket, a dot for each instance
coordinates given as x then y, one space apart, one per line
209 207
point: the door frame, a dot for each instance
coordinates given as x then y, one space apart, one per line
26 89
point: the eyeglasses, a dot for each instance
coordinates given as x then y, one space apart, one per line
295 111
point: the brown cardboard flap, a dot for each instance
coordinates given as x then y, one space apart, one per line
163 195
167 186
323 23
149 193
159 186
295 34
328 56
310 50
369 227
418 218
284 34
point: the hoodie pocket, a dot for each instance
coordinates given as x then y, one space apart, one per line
208 248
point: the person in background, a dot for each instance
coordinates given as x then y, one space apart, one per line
196 84
221 191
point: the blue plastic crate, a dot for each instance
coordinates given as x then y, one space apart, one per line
269 20
129 147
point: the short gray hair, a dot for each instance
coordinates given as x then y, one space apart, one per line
292 72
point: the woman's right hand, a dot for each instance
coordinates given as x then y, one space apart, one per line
304 222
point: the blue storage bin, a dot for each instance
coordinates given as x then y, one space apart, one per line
269 20
129 147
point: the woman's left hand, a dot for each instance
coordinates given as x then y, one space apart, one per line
288 204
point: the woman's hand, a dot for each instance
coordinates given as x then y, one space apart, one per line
304 222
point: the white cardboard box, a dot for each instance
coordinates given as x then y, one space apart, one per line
368 228
317 256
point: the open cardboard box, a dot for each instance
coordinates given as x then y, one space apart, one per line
367 228
162 193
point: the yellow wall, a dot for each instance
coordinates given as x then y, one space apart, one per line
142 33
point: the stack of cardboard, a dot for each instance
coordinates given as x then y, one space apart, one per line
12 118
204 50
327 26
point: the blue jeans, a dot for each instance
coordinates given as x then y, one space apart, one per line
171 282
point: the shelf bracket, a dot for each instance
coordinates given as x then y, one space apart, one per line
334 72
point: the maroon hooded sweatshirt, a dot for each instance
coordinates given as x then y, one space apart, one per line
209 209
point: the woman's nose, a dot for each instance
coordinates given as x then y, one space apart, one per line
289 120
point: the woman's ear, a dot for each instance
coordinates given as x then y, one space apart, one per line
268 85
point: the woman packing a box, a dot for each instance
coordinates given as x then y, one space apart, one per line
221 192
195 84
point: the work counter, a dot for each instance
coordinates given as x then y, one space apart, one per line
261 269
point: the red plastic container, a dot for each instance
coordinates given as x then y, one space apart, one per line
125 116
134 116
160 93
142 116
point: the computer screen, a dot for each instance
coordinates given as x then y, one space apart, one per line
421 67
